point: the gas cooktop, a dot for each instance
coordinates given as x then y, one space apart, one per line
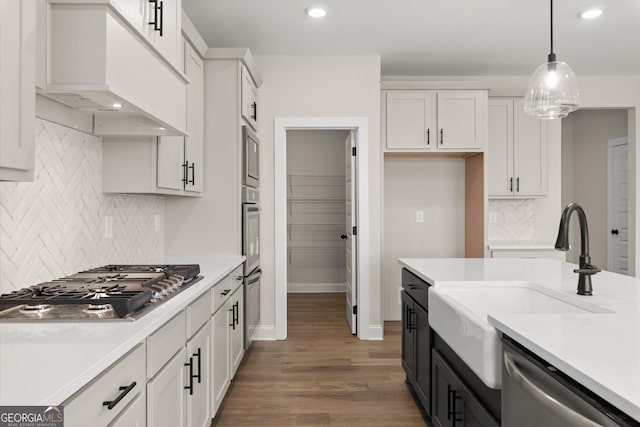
116 292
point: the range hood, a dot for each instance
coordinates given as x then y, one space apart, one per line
95 62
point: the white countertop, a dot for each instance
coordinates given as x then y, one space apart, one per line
599 350
45 363
520 245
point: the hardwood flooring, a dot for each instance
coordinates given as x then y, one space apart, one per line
321 375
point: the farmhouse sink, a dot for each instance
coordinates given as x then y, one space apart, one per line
458 313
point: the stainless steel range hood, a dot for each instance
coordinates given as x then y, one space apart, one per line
94 61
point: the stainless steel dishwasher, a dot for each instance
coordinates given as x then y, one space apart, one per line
534 393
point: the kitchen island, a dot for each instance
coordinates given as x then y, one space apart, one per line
45 363
600 351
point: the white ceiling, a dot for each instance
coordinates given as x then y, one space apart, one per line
432 37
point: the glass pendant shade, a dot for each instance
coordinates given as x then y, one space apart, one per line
553 91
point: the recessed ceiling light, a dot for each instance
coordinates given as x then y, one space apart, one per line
316 12
116 105
591 13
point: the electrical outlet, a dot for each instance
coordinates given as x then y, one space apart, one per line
108 227
419 216
493 217
157 222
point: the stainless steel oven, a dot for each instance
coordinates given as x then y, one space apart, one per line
251 158
252 271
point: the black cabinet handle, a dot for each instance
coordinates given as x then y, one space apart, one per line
225 292
158 16
198 354
517 184
237 318
511 184
412 316
191 376
454 414
185 173
449 410
255 111
428 136
193 174
110 404
155 15
615 231
233 317
343 236
441 136
161 7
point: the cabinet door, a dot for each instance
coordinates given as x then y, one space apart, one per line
134 415
411 120
461 117
198 404
195 110
249 107
500 147
166 393
17 89
171 167
444 383
236 311
220 356
471 411
530 157
408 342
134 11
169 44
422 335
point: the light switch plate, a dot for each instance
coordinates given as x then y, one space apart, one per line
419 216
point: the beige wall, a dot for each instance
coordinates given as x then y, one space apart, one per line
586 136
318 86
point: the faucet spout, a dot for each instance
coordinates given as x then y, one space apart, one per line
586 269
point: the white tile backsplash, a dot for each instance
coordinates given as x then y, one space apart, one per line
55 226
515 219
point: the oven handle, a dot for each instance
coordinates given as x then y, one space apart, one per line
258 273
253 207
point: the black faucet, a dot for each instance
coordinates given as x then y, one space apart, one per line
586 269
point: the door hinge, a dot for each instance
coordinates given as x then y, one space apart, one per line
354 231
355 310
353 151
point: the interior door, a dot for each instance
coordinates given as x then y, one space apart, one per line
351 205
618 202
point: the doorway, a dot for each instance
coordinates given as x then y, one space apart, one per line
586 181
358 128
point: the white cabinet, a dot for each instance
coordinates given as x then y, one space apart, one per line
165 393
165 33
17 89
198 405
249 106
134 415
106 397
435 120
517 151
227 326
167 164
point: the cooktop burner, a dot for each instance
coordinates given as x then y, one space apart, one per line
110 292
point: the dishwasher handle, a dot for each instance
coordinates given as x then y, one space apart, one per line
552 404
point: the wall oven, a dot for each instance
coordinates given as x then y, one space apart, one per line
252 271
251 161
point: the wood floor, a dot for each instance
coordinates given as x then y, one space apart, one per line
321 375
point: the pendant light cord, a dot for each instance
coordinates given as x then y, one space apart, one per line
552 56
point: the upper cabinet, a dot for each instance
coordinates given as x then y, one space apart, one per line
435 120
167 164
517 151
17 89
249 106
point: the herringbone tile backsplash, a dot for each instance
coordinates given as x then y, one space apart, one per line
55 226
515 219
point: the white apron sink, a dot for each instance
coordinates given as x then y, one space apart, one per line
458 313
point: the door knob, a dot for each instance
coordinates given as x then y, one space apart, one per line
343 236
615 231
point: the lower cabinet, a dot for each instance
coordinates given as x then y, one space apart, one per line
416 349
221 375
198 393
165 393
453 404
236 345
134 415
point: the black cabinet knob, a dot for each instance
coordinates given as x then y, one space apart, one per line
343 236
615 231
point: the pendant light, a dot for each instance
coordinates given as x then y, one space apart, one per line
553 90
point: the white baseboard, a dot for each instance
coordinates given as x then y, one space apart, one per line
376 332
315 287
265 333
